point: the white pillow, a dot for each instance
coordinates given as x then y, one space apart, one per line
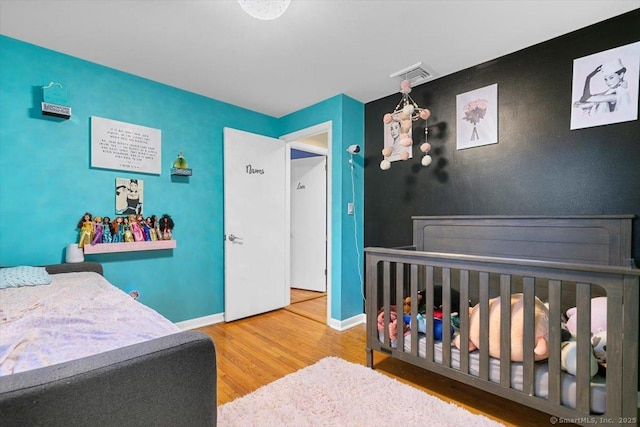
15 277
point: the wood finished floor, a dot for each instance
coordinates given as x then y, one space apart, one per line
255 351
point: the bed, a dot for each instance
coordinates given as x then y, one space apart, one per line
79 351
471 261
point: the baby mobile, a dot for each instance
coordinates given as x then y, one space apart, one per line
406 112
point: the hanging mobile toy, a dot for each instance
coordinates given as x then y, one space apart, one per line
406 112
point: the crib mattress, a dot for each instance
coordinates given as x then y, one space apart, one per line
541 382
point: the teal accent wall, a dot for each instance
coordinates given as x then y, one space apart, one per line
347 127
46 182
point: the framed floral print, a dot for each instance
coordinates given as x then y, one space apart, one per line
477 117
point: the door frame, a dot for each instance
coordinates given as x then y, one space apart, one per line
292 141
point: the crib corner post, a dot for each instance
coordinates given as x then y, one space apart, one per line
630 321
369 357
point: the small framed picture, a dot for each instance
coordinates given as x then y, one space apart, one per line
477 117
392 140
129 196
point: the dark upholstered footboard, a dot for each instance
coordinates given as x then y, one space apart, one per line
165 381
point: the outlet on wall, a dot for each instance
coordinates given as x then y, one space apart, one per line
350 208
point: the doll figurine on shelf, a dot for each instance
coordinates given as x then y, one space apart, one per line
146 236
97 230
156 225
151 229
146 229
126 230
136 228
106 230
86 230
116 230
166 226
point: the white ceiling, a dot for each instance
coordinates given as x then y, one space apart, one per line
316 50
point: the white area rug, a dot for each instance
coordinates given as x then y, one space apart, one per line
334 392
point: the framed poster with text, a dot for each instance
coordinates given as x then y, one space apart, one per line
125 146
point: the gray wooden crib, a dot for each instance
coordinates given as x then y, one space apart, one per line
564 261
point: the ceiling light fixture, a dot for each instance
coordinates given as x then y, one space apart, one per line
406 112
265 10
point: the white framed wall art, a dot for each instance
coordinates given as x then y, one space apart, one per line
605 87
477 117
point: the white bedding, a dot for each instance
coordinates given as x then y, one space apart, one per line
77 315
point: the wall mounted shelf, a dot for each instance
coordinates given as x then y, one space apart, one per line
181 172
107 248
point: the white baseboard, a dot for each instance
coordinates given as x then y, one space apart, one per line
200 321
342 325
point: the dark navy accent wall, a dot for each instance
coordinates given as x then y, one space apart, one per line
538 167
299 154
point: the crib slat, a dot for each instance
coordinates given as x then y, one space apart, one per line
555 311
614 358
371 301
446 317
583 377
429 313
399 303
484 325
414 310
386 300
464 321
505 325
528 334
400 289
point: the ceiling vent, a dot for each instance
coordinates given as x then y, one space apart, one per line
416 74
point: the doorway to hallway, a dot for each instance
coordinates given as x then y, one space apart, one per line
309 304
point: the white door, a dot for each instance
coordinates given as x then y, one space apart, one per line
309 223
254 224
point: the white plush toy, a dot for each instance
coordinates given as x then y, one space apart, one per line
568 358
598 327
598 316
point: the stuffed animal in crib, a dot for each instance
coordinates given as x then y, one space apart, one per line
568 359
392 328
541 330
422 324
422 309
437 301
437 325
422 303
599 344
598 327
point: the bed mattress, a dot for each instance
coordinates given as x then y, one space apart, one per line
568 381
77 315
